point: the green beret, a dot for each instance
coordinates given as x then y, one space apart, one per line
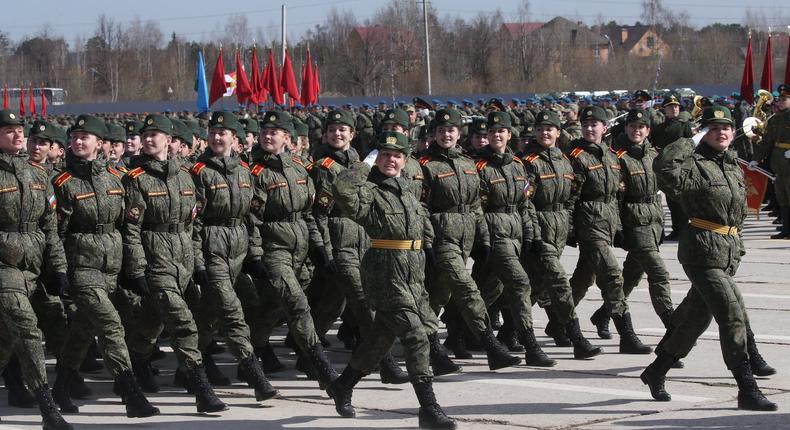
115 133
672 98
595 113
90 124
157 122
396 117
182 131
639 116
278 119
717 114
42 130
447 118
133 128
225 119
343 117
499 119
548 117
301 128
251 125
9 117
394 141
478 126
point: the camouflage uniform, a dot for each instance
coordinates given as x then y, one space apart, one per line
660 136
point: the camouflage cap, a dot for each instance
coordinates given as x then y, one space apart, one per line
9 117
639 116
278 119
596 113
42 130
548 117
672 98
115 133
499 119
341 117
478 126
410 108
251 125
225 119
158 122
182 131
90 124
717 114
394 141
448 118
396 117
133 128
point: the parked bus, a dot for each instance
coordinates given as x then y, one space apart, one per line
54 96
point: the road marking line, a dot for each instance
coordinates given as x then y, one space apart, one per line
755 295
586 389
715 334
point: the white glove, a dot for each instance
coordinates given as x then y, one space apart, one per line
753 164
787 153
370 160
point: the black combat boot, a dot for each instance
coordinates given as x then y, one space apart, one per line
666 319
440 361
269 360
456 341
655 374
600 319
90 364
137 406
18 394
555 330
323 368
181 379
431 414
533 355
206 399
507 334
51 418
215 348
340 391
582 348
629 342
756 360
79 389
347 332
146 379
215 376
62 390
390 372
749 395
498 356
251 372
784 217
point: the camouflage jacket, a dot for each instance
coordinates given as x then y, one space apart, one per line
551 179
669 131
776 141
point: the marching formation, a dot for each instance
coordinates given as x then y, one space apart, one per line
121 232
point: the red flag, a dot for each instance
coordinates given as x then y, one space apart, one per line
43 102
272 84
32 102
256 77
244 92
767 80
6 102
308 84
747 81
756 184
218 85
787 65
317 80
288 80
22 101
263 92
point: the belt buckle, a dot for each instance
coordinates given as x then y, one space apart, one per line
172 227
413 245
24 227
98 229
732 231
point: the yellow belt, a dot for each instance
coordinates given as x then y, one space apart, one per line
712 226
783 145
396 244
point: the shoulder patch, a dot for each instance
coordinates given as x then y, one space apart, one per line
310 166
137 171
531 158
62 179
327 162
197 168
517 160
576 152
424 160
298 161
245 165
620 153
113 172
34 164
480 165
123 170
257 169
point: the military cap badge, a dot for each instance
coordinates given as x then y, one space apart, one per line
130 128
220 118
391 115
273 118
639 114
337 116
81 122
446 117
42 127
718 114
149 122
496 119
529 129
392 140
12 116
589 113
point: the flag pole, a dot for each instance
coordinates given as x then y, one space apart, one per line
282 35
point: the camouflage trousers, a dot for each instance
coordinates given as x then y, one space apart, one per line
713 295
549 279
639 262
508 279
219 307
597 264
52 316
19 333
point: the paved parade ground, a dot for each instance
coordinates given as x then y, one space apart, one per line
602 393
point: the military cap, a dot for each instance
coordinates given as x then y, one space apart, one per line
225 119
396 116
639 116
194 126
572 107
382 102
59 135
593 112
499 119
342 117
409 108
529 131
182 131
642 95
548 117
672 98
42 130
90 124
133 128
783 90
278 119
717 114
158 122
452 102
115 133
9 117
394 141
301 128
448 118
251 125
478 126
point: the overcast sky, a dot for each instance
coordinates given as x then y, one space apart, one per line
200 20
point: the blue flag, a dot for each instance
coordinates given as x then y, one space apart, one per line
200 85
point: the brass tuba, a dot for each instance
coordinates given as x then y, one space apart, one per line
696 112
755 124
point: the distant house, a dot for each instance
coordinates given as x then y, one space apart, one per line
515 31
638 41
